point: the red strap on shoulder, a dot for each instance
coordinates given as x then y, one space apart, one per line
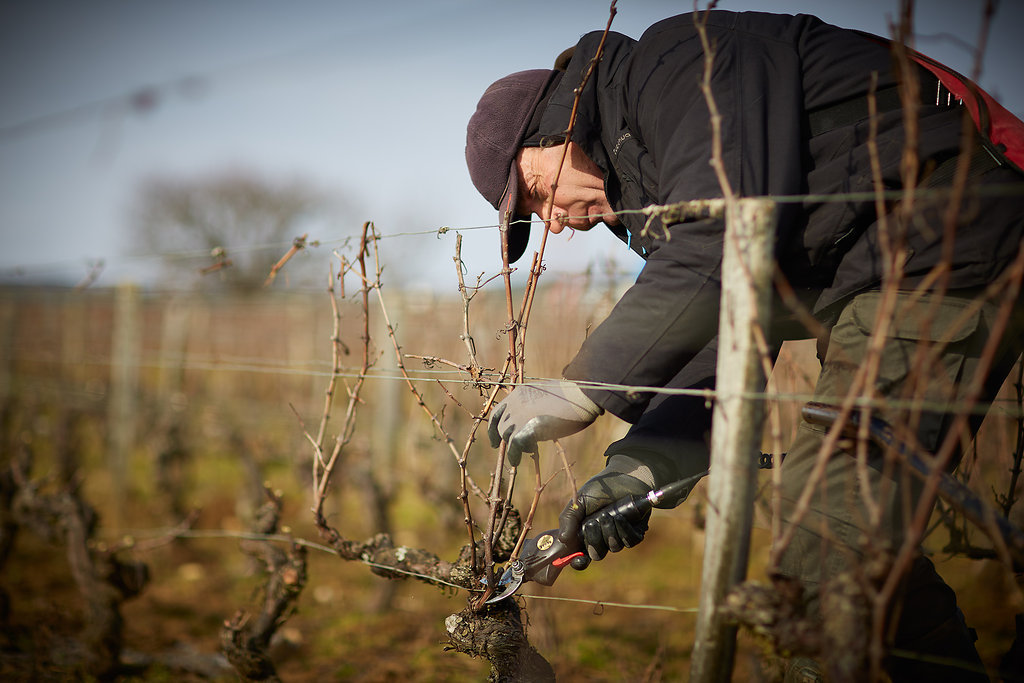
993 120
1003 128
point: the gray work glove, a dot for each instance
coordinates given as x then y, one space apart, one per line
604 533
539 412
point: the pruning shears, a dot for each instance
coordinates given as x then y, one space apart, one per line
543 557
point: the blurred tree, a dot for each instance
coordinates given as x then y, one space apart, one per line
231 227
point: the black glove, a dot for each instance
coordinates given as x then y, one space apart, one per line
602 533
539 412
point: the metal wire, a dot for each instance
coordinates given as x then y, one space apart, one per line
282 538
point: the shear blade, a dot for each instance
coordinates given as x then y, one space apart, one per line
503 592
507 585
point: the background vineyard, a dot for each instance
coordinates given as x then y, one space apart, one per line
169 402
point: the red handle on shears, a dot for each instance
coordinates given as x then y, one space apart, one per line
562 561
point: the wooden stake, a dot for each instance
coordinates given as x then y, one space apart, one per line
736 428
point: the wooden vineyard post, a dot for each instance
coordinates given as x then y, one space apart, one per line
736 428
123 403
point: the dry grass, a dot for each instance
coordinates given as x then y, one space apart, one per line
238 430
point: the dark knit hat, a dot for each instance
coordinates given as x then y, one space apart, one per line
496 131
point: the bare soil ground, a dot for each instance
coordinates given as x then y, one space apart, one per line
340 633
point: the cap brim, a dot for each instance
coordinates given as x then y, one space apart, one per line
518 224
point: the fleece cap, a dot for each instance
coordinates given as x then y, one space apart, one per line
495 133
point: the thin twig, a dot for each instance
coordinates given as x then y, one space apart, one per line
700 20
420 401
537 266
298 244
1007 501
323 470
567 468
467 298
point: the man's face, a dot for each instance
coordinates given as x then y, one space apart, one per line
579 202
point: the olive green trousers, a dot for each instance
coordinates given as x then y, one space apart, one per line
924 357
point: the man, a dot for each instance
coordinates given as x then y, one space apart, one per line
793 98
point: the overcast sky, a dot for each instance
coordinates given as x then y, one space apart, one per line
366 100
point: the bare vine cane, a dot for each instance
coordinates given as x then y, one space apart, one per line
421 402
298 244
938 281
476 373
380 552
700 22
323 469
460 455
1008 288
536 270
494 498
1007 501
519 350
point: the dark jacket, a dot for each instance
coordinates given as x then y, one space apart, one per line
645 122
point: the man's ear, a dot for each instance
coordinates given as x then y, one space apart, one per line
562 61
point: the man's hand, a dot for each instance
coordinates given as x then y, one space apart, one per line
539 412
602 533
